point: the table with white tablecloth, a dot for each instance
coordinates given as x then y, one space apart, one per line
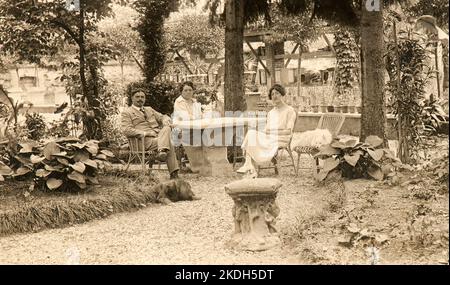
206 140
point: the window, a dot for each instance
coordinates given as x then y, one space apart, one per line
292 76
27 81
262 77
277 75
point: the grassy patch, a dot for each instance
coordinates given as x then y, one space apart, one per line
21 211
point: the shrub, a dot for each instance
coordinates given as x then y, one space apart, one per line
35 125
433 116
159 95
354 159
63 164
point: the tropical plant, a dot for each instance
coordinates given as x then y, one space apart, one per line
35 126
354 159
433 115
408 75
66 164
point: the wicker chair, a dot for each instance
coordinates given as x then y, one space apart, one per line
331 122
138 151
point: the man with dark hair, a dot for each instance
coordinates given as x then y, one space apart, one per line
154 127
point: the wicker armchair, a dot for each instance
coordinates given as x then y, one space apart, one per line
331 122
138 151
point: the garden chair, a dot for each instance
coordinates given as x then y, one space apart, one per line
274 163
138 151
331 122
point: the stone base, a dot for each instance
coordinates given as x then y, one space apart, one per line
250 242
209 161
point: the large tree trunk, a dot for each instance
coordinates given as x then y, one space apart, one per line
373 117
91 121
234 59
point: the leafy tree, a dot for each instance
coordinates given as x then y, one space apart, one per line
193 32
34 30
436 8
151 30
119 32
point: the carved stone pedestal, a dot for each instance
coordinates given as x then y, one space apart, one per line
254 212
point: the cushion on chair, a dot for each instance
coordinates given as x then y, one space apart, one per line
311 139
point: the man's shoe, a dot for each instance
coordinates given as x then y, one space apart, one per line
162 155
174 175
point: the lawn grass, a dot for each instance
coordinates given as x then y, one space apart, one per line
22 211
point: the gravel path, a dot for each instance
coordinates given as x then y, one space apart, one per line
181 233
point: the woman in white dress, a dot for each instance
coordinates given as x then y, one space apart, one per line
261 147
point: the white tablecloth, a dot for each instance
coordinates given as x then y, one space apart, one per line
209 123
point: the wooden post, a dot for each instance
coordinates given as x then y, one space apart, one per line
400 151
299 73
436 60
270 62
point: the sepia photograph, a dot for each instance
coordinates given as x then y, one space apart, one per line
224 132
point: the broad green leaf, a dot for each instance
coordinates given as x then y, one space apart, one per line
68 139
350 143
76 176
50 149
78 166
62 153
81 185
338 144
321 175
5 169
327 150
374 141
93 180
90 163
107 153
63 161
376 154
53 168
375 172
26 148
101 156
78 145
81 155
42 173
330 164
352 159
54 183
23 160
92 149
22 171
36 159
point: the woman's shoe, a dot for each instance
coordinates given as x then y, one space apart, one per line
251 174
244 169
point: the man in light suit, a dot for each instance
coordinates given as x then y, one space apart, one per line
145 122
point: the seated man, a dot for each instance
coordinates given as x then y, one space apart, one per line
144 122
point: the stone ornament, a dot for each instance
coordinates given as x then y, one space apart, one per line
255 212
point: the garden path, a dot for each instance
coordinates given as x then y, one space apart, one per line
188 232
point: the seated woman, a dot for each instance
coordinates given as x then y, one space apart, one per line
261 147
186 107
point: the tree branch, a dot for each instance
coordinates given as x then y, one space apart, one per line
66 28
